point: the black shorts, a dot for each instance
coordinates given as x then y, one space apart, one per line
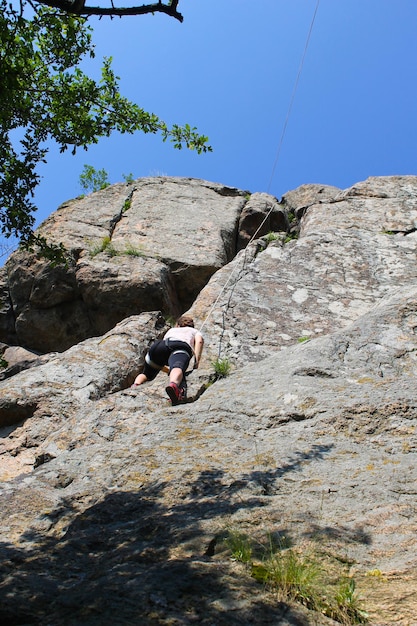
171 352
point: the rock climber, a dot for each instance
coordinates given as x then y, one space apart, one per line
172 354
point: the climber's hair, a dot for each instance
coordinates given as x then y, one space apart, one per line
185 320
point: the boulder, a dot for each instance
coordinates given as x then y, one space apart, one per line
91 369
352 249
16 359
261 215
143 246
299 200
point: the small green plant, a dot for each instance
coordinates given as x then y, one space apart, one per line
293 575
111 250
290 237
170 320
105 245
222 367
271 236
3 362
92 179
101 246
376 573
126 205
128 178
130 250
303 339
239 546
348 609
305 575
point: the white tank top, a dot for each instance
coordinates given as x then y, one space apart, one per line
183 333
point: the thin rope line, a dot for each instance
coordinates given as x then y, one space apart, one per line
236 266
274 166
213 306
293 96
8 251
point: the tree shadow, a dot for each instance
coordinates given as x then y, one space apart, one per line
139 557
357 534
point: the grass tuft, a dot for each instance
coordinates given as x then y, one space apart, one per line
239 546
132 251
101 246
300 574
222 367
271 236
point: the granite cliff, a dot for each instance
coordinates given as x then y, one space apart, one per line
114 504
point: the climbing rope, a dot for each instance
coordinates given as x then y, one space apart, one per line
297 80
300 69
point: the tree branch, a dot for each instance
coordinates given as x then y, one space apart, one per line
77 7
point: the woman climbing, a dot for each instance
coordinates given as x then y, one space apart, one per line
173 354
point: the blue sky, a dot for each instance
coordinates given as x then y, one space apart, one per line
230 69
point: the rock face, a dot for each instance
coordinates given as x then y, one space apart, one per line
115 504
149 245
354 247
93 368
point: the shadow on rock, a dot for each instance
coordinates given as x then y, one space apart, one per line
131 559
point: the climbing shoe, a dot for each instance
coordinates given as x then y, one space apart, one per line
175 393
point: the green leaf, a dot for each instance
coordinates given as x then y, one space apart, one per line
45 97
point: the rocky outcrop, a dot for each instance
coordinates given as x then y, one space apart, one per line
261 215
92 369
353 248
317 444
116 504
149 245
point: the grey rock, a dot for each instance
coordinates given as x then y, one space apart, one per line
316 444
149 245
351 251
114 503
261 215
300 199
91 369
16 359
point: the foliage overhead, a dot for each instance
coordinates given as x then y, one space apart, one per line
92 179
45 96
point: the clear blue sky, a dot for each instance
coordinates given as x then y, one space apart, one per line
230 69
